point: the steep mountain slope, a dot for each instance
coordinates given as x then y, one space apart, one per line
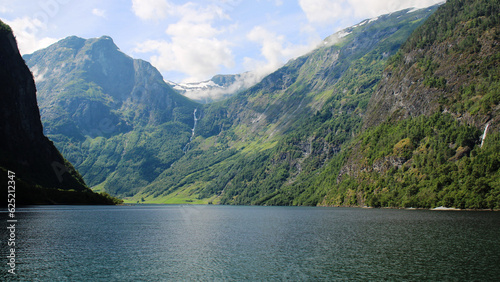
24 149
451 62
436 140
83 82
265 144
112 116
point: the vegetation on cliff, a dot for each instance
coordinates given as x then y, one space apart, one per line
421 162
38 172
388 113
265 145
439 94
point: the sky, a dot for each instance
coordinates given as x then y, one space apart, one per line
191 41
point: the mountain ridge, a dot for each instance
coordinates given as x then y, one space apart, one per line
109 103
324 129
40 174
253 138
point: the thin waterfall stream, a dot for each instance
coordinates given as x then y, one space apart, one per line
192 131
484 134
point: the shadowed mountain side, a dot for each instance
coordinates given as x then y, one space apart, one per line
24 150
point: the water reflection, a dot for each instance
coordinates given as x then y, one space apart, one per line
131 243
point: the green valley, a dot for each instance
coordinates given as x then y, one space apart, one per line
263 145
388 113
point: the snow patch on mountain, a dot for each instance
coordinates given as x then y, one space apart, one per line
217 88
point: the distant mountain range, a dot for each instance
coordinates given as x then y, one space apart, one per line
389 112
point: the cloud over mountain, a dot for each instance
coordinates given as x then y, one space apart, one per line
192 44
330 11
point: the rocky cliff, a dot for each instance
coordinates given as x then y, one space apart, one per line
431 130
24 149
450 64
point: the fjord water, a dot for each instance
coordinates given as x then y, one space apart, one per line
165 242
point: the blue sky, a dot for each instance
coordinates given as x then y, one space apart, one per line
194 40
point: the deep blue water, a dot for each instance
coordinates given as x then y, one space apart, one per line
235 243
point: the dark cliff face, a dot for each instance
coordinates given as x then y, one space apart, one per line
19 105
23 147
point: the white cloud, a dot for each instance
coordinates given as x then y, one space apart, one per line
274 49
330 11
272 45
26 30
194 47
370 8
151 9
99 13
6 10
322 11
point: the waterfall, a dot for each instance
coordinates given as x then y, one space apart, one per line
484 134
192 131
194 125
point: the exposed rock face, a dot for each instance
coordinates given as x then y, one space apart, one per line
23 147
450 71
400 94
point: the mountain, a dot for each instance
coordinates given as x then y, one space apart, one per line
361 121
41 174
112 116
397 111
130 134
267 144
218 88
432 135
83 83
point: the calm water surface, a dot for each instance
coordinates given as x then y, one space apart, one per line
158 243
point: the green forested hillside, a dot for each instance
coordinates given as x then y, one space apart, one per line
421 162
263 145
388 113
427 117
113 117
